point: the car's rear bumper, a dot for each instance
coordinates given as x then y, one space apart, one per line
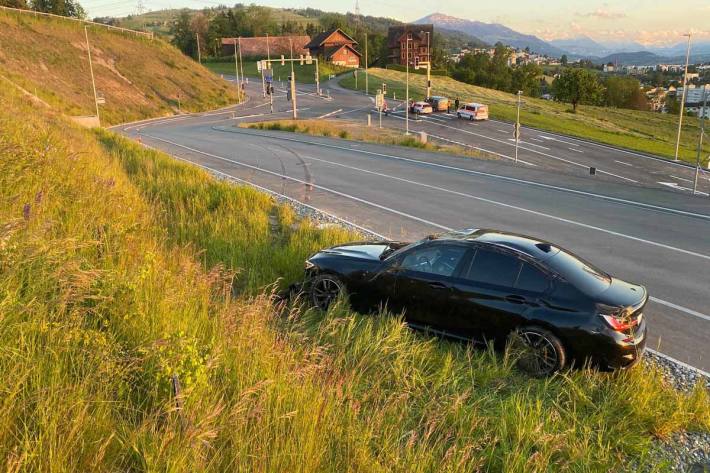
622 350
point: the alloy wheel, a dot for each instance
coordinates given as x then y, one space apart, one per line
324 291
540 357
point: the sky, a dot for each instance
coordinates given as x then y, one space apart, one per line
649 22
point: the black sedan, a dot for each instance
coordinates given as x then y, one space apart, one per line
484 285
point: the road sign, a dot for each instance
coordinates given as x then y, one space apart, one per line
379 100
100 99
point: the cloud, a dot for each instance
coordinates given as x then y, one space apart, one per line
603 14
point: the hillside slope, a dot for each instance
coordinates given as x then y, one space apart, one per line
138 77
119 268
648 132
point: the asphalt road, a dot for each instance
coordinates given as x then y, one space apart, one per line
642 232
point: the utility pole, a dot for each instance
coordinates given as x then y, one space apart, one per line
236 71
367 87
406 116
517 127
293 81
682 101
199 54
428 66
317 77
91 69
241 61
700 139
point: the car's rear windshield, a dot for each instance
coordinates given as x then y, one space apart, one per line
579 273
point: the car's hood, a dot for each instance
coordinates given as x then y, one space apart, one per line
623 294
362 250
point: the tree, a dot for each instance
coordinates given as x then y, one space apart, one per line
183 38
577 86
68 8
22 4
624 92
564 60
527 79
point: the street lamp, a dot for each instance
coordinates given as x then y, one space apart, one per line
407 98
517 126
682 100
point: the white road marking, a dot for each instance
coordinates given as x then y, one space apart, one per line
574 163
625 164
487 174
550 138
681 363
505 131
577 150
680 178
535 139
526 143
462 194
674 185
480 149
310 184
331 113
368 230
681 308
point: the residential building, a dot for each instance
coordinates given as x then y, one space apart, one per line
694 99
417 39
259 46
335 46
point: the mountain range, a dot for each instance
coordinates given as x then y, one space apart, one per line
491 33
582 47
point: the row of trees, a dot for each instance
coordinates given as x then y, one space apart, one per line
495 73
576 85
70 8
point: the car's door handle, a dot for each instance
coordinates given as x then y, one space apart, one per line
437 285
516 299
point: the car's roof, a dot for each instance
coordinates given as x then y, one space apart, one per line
530 246
475 104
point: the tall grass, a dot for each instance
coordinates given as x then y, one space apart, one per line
122 271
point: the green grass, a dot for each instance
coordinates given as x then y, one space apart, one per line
121 268
352 130
305 74
138 77
647 132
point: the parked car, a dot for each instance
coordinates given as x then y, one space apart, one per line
438 103
491 285
421 108
473 111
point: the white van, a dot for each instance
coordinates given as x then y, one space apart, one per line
473 111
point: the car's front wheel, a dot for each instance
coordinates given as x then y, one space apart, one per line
325 289
541 352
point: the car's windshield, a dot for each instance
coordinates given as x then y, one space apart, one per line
394 254
579 273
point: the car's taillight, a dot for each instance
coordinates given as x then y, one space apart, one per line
618 318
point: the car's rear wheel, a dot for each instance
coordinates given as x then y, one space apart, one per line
541 352
325 289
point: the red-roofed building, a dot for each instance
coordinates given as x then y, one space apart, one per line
335 46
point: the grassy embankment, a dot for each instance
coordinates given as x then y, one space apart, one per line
305 74
138 77
351 130
642 131
122 270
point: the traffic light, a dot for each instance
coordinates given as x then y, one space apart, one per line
416 62
384 88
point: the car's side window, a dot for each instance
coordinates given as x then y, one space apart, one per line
434 259
491 267
532 279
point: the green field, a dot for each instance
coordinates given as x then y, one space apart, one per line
138 78
305 74
648 132
124 273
